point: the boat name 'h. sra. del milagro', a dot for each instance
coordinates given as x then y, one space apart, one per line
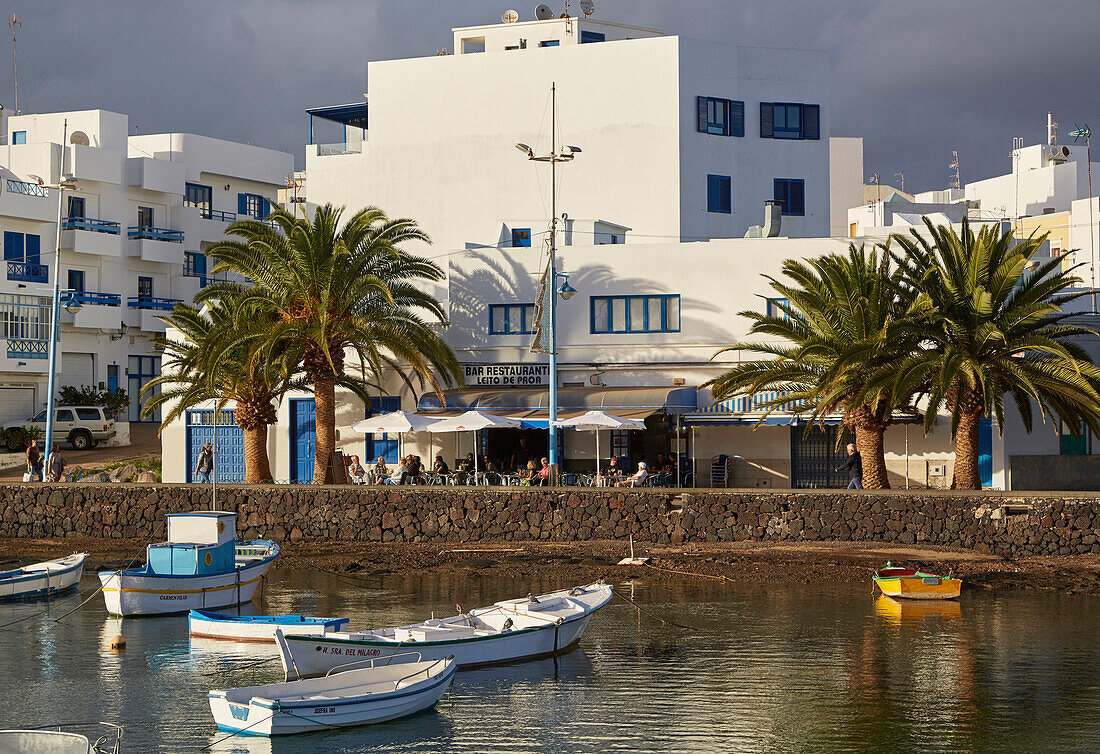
202 565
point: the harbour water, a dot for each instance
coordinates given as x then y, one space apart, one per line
759 668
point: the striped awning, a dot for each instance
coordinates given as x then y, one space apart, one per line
745 404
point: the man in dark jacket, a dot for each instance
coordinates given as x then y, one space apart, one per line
854 467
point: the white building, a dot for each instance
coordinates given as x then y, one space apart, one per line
134 231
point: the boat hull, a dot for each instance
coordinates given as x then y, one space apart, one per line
229 628
920 587
286 718
46 579
311 656
135 593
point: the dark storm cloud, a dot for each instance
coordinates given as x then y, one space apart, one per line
915 78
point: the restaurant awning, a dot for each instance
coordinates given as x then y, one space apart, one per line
532 405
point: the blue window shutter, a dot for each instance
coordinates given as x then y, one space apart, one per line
19 137
13 246
767 129
200 264
267 208
242 204
736 118
796 191
725 194
811 122
781 195
701 125
32 254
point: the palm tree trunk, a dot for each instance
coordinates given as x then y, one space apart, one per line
257 469
324 393
966 449
869 443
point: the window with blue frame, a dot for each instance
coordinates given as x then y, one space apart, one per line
787 120
592 36
791 195
22 247
774 307
76 208
76 280
194 264
721 117
511 319
635 314
549 43
252 205
197 195
521 237
18 137
719 194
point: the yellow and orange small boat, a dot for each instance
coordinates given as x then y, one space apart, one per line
907 583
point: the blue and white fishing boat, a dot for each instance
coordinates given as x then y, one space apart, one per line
42 579
202 565
260 628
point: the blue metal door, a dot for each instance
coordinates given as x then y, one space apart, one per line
985 452
228 444
384 445
303 440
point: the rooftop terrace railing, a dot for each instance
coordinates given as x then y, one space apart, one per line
26 188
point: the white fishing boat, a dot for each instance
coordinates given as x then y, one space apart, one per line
54 739
201 566
507 631
259 628
42 579
356 696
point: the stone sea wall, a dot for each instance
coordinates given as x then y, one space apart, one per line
1003 523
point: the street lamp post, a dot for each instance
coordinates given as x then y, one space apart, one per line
556 155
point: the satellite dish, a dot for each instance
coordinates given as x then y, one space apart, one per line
587 7
543 12
510 16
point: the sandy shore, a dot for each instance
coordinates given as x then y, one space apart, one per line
775 563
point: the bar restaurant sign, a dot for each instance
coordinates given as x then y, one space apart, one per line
506 375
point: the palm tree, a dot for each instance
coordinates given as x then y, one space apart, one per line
836 324
989 326
225 354
338 290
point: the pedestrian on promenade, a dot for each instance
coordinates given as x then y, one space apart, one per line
34 462
55 465
205 464
854 467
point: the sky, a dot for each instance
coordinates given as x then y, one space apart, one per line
915 78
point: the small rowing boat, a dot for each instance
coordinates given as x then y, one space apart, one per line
260 628
54 739
352 697
907 583
518 629
202 565
42 579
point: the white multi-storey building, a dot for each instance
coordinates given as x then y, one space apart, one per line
134 230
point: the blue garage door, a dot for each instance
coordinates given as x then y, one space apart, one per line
985 452
303 440
384 445
228 440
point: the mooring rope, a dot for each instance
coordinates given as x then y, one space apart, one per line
640 609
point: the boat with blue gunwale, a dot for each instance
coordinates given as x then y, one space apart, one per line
42 579
261 628
202 565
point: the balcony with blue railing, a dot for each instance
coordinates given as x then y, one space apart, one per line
25 272
91 298
26 188
217 215
153 303
95 226
28 348
149 233
26 200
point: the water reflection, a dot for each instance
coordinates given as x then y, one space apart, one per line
761 668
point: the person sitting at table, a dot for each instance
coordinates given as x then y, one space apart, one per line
440 466
380 470
415 469
613 469
527 476
636 479
543 479
467 466
356 473
400 473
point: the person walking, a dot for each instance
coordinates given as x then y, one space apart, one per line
205 464
34 462
55 465
854 467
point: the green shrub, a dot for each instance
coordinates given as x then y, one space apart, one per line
115 400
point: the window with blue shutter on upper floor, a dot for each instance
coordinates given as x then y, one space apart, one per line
253 205
634 314
18 137
521 237
721 117
719 194
511 319
774 307
76 280
592 36
791 195
787 120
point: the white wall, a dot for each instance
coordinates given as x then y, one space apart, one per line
845 181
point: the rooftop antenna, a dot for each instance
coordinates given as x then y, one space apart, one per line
14 21
877 181
901 176
1052 128
956 183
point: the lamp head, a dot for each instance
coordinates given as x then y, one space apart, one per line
565 290
525 149
73 303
